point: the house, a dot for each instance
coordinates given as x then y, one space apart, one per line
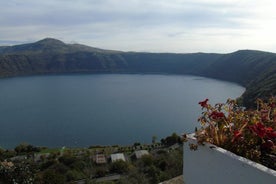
140 153
100 159
41 156
117 157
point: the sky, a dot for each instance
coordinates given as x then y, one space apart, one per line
180 26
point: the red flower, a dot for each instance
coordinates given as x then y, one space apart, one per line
259 129
271 135
217 115
268 129
203 103
263 131
267 145
272 105
237 135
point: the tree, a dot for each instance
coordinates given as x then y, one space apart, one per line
153 174
154 138
101 171
51 177
147 160
136 144
120 167
25 148
2 151
170 140
73 175
17 173
134 177
67 159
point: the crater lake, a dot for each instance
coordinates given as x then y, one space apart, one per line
81 110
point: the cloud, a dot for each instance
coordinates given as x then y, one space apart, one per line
153 25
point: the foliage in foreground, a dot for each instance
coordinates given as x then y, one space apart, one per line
249 133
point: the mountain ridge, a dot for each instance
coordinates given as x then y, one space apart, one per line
251 68
49 45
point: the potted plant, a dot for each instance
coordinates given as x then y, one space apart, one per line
243 141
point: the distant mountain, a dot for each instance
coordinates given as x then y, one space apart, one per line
48 45
256 70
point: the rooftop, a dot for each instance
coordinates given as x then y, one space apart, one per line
100 159
140 153
117 156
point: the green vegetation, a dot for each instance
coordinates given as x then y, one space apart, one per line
170 140
255 70
30 164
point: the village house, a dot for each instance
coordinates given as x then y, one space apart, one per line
117 157
100 159
139 153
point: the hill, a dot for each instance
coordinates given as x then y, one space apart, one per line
256 70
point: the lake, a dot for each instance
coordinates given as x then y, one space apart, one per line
103 109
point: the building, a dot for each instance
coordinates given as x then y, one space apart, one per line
140 153
41 156
117 157
100 159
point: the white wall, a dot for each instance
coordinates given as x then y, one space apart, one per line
215 165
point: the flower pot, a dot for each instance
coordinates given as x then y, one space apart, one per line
209 164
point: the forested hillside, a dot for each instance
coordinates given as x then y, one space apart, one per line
256 70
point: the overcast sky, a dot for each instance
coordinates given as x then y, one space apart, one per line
143 25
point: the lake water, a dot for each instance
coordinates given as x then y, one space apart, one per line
83 110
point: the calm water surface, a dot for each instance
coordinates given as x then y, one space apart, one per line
83 110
